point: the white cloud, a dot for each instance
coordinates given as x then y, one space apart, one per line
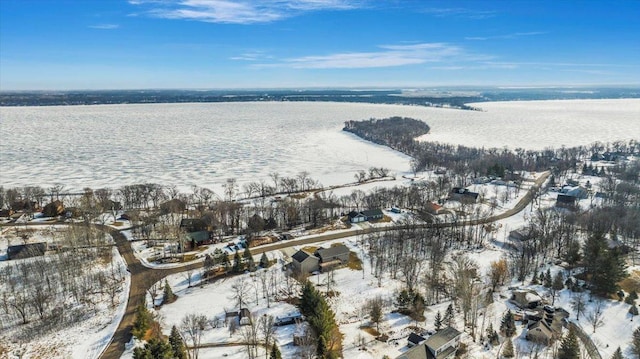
104 26
507 36
460 12
239 11
251 56
387 56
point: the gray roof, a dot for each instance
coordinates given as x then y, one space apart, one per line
373 212
332 251
417 352
441 338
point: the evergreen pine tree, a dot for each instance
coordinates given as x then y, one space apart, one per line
321 350
556 285
168 296
142 322
635 342
264 261
248 260
534 278
275 352
507 351
547 279
226 263
569 347
611 269
438 321
617 354
448 315
154 349
237 263
492 335
508 325
177 345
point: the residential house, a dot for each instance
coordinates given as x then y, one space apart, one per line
290 319
525 299
546 326
566 201
415 339
244 316
463 195
442 345
540 332
322 259
433 208
336 252
197 232
365 216
241 317
304 263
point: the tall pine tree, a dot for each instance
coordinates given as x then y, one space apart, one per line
275 352
168 296
617 354
438 321
448 315
569 347
177 345
508 324
507 351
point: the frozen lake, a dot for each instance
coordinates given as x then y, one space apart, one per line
205 143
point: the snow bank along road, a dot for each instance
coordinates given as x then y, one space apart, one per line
143 277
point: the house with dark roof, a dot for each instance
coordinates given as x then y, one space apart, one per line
566 201
442 345
415 339
364 216
304 263
463 195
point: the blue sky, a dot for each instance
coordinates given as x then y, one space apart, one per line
120 44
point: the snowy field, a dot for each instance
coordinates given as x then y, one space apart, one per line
205 144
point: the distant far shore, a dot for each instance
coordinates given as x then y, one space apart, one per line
445 97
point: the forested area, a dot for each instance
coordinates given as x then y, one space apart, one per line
44 294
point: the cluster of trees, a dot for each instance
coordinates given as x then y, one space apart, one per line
321 321
399 131
46 293
145 327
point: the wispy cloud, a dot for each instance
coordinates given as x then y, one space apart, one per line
252 56
461 13
104 26
239 11
589 68
386 56
514 35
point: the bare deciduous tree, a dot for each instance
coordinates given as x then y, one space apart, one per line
193 325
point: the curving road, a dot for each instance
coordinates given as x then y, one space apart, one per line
142 277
